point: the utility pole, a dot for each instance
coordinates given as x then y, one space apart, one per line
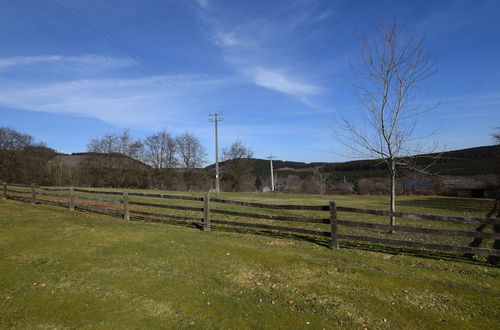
216 117
272 175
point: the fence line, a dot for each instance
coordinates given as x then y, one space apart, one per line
431 231
51 194
174 207
333 220
47 201
272 227
85 198
167 216
419 216
18 191
270 217
53 189
274 206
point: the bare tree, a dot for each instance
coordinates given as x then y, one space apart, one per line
114 143
21 159
119 155
192 156
128 146
391 93
14 140
320 177
160 153
237 167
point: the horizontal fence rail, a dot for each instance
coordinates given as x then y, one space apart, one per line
166 216
53 189
273 206
419 216
51 202
85 198
173 207
18 191
121 207
101 192
53 195
279 228
270 217
20 185
186 198
432 231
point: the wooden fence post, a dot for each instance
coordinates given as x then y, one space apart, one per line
5 190
71 198
334 225
33 194
126 214
206 212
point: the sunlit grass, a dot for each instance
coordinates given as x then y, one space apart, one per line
63 269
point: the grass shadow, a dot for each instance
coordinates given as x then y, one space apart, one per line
182 223
371 247
274 234
459 204
412 252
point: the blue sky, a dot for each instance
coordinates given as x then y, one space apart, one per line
279 71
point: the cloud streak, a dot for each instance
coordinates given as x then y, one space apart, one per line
283 83
147 101
257 46
203 3
96 61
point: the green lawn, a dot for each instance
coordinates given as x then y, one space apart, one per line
62 269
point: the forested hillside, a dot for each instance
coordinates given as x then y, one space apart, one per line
471 161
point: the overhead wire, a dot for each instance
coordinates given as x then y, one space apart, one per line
48 23
84 19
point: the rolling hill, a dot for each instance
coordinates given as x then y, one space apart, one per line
470 161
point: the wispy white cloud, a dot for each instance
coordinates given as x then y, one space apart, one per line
96 61
281 82
256 47
146 102
203 3
325 15
228 39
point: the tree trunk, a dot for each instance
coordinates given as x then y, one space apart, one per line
393 196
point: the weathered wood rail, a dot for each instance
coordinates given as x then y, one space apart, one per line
121 206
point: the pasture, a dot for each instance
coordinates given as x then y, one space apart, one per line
80 269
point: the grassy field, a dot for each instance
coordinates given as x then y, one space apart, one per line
62 269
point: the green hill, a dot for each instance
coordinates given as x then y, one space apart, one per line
471 161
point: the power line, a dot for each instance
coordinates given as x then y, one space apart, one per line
99 29
42 20
84 19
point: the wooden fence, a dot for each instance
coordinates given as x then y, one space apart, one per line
122 207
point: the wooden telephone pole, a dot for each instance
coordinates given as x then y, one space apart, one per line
272 174
216 117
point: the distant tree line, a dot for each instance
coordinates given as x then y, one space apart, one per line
159 161
164 161
21 159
